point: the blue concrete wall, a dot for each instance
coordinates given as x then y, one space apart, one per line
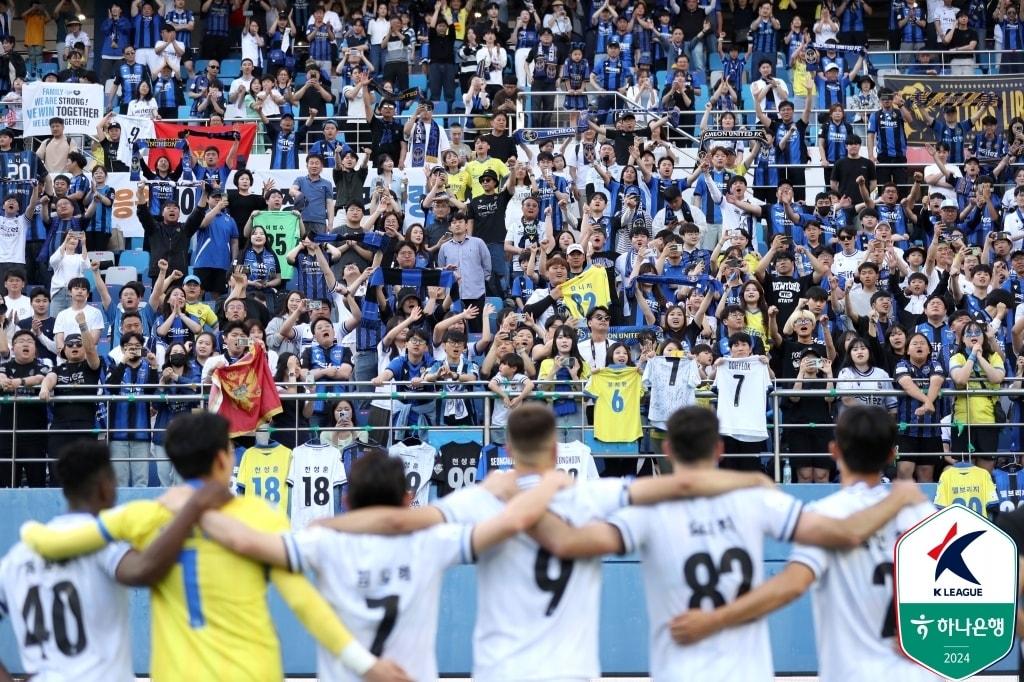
623 616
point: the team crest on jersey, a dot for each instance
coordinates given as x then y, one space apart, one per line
956 592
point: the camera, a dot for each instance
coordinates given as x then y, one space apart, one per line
244 342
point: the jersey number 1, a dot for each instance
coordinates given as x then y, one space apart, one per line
65 599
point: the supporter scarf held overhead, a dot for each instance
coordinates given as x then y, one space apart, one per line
425 143
245 393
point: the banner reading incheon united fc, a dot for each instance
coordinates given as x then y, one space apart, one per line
1000 96
79 104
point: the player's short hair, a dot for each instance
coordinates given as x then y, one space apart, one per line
529 430
80 465
376 479
193 442
693 434
866 437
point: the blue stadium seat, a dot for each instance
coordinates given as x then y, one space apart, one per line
49 67
92 285
135 242
136 258
418 80
230 68
185 112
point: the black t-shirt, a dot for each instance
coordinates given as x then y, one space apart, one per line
386 138
442 47
623 140
313 99
30 415
70 376
784 292
42 352
241 207
488 214
847 170
502 147
455 467
962 39
788 355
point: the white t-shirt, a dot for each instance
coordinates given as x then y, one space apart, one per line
846 266
143 108
251 49
742 384
386 589
169 55
577 459
315 472
70 618
233 110
948 193
378 30
65 266
418 461
523 236
20 308
852 595
700 554
12 239
66 323
595 354
537 616
672 384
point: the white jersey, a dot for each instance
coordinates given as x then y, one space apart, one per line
315 474
854 620
537 616
845 266
867 384
700 554
576 459
386 590
419 467
672 383
742 384
70 618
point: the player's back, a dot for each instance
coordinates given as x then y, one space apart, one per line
852 597
386 590
537 615
701 553
70 617
210 615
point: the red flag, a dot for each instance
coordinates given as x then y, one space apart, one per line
199 140
245 393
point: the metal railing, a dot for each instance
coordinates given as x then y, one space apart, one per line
20 436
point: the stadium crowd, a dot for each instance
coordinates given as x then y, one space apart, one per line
604 254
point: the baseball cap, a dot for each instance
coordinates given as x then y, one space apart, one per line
574 248
72 337
810 350
114 124
949 203
832 67
190 279
613 43
406 293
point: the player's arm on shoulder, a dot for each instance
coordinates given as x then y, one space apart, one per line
694 625
824 531
240 538
317 616
569 542
522 513
124 522
147 567
685 482
384 520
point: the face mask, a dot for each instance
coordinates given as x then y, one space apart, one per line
177 359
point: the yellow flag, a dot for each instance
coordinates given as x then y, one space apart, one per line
585 291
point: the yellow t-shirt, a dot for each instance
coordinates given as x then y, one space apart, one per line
458 184
545 366
757 326
35 29
616 393
203 313
262 473
975 409
585 291
799 73
474 169
970 487
210 615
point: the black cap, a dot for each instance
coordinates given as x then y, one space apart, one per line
489 174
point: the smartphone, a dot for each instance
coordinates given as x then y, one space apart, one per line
733 262
519 317
817 364
677 248
735 233
675 354
314 305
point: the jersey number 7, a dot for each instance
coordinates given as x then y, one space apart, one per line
387 623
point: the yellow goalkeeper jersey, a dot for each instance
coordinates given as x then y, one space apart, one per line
210 615
970 487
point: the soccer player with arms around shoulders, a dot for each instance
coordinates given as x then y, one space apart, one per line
537 615
74 619
716 546
387 588
851 588
210 615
